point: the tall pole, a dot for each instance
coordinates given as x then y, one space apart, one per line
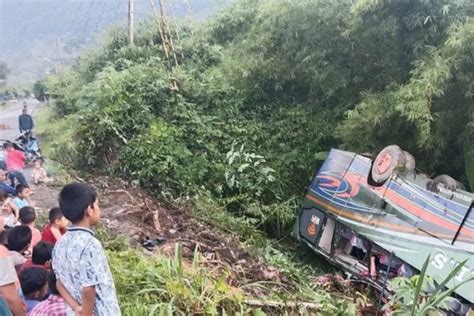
60 44
130 22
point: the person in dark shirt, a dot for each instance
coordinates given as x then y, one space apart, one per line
25 122
4 185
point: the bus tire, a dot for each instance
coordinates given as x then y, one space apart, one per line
387 160
409 162
449 183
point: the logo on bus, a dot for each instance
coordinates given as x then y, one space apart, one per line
313 226
337 185
440 259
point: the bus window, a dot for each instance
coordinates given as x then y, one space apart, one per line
382 261
327 235
350 249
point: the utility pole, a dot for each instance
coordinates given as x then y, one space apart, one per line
130 21
60 46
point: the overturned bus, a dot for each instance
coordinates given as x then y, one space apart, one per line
379 218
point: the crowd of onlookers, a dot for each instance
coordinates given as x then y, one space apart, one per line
58 269
61 268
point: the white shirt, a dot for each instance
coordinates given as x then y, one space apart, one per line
79 261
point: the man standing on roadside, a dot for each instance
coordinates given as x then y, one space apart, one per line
25 121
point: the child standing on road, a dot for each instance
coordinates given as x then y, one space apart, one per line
56 227
78 257
41 256
54 305
4 185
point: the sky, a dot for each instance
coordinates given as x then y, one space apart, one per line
35 34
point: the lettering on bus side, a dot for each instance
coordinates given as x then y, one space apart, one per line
439 261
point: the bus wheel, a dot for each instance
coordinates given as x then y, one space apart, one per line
449 183
390 158
409 162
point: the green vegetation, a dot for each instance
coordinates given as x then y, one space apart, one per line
419 295
4 71
152 276
159 285
164 286
264 90
39 90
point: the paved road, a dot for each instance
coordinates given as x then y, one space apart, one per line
9 121
9 118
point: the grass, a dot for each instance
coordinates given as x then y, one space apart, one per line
291 258
56 137
166 286
158 285
297 262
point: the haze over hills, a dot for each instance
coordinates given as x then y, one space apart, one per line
37 35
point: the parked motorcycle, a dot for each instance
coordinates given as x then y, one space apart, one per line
29 144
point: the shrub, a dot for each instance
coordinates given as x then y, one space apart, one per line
158 159
168 286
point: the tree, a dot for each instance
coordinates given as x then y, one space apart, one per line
4 71
286 80
39 90
431 113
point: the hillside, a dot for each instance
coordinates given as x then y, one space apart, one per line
227 124
37 35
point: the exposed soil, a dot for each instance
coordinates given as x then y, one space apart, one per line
44 197
134 213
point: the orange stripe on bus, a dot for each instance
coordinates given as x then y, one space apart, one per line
375 222
425 215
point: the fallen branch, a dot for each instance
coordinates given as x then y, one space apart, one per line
156 221
129 195
79 179
199 244
155 216
129 211
277 304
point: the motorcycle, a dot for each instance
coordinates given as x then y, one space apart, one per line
29 145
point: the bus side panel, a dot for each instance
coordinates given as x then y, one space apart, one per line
463 232
310 224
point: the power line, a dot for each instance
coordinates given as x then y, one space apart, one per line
119 6
130 22
77 11
101 16
176 26
89 15
189 15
